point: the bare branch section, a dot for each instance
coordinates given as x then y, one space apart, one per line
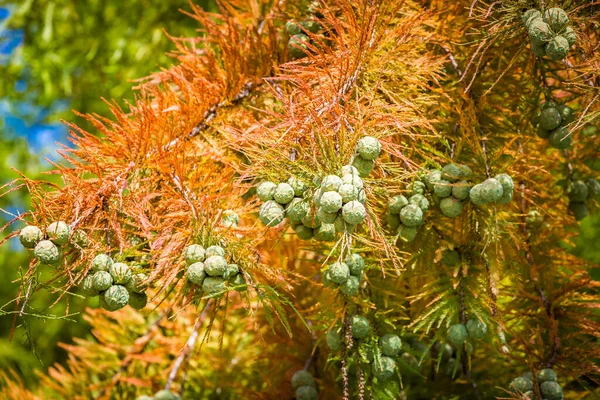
189 345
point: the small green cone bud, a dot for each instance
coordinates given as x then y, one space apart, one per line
443 188
116 297
539 32
47 252
363 166
418 187
557 48
293 28
215 250
229 219
354 212
476 329
432 178
506 182
538 51
351 286
303 232
138 300
550 119
284 193
546 375
137 283
397 203
232 270
331 202
348 192
306 393
577 191
451 207
311 26
215 266
521 384
342 226
87 287
560 138
271 213
354 180
411 215
334 339
570 35
338 272
297 46
360 327
30 236
530 14
551 390
557 18
355 264
476 195
196 273
578 209
297 209
165 395
239 282
406 234
457 334
384 368
302 378
420 201
298 185
212 285
331 183
194 253
566 113
325 232
542 133
266 190
390 345
460 190
58 233
102 280
491 190
349 170
368 148
120 273
593 189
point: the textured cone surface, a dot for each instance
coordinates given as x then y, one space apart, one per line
411 215
360 327
47 252
30 236
120 273
138 300
551 390
451 207
384 368
196 273
271 213
557 48
390 345
546 375
368 148
266 190
334 339
476 329
194 253
116 297
284 193
302 378
560 138
354 212
101 262
557 18
213 285
215 250
457 334
215 266
58 233
363 166
102 280
306 393
521 384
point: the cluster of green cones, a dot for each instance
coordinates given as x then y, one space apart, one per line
116 283
209 270
327 207
580 192
549 32
551 123
49 248
547 381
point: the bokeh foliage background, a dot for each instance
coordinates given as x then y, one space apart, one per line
57 56
63 55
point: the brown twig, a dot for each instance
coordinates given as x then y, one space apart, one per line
189 345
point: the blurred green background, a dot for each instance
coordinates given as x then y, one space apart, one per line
57 56
62 55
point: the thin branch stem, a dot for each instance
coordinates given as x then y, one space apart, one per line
189 345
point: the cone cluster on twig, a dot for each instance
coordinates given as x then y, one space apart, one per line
551 123
547 381
549 32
